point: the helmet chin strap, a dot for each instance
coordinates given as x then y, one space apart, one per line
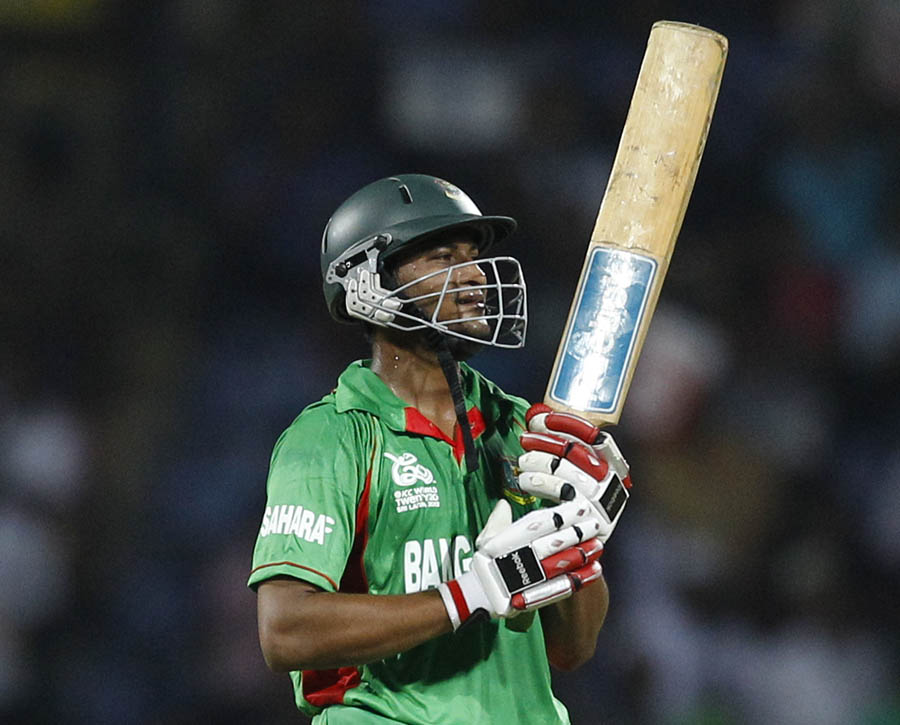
450 368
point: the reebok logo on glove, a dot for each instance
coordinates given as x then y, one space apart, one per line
520 569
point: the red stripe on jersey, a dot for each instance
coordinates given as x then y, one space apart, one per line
418 423
355 579
299 566
476 425
328 687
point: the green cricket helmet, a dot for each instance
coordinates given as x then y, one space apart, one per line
404 212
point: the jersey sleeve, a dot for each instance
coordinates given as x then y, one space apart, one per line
316 476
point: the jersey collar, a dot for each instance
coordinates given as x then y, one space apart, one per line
360 389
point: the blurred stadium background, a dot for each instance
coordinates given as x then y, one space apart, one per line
166 169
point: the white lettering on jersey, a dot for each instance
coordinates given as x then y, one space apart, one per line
294 528
412 567
298 521
446 571
420 497
421 570
284 520
461 546
431 576
305 528
318 530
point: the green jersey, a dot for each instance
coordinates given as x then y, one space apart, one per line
365 494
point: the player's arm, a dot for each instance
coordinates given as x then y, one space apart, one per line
571 626
303 622
517 566
303 627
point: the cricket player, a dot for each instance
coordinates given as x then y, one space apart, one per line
417 515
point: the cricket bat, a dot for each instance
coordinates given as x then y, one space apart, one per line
639 219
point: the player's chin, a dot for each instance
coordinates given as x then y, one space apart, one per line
479 329
474 330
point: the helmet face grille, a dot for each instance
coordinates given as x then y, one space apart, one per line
490 308
496 311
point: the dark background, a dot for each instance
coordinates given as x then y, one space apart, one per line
166 169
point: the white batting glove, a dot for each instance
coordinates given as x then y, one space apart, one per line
543 557
567 455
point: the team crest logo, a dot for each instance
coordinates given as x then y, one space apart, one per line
451 191
511 483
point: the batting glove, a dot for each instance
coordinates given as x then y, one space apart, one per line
543 557
565 452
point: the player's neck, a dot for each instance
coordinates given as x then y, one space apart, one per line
414 375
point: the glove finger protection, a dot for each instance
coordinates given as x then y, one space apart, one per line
516 558
548 529
562 452
560 587
541 418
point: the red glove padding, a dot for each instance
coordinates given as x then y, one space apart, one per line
565 454
567 572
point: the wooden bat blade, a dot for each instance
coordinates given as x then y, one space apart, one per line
639 219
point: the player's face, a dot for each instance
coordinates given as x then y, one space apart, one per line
463 300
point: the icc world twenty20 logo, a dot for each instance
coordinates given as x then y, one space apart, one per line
407 471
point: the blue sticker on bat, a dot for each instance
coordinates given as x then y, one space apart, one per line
599 343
